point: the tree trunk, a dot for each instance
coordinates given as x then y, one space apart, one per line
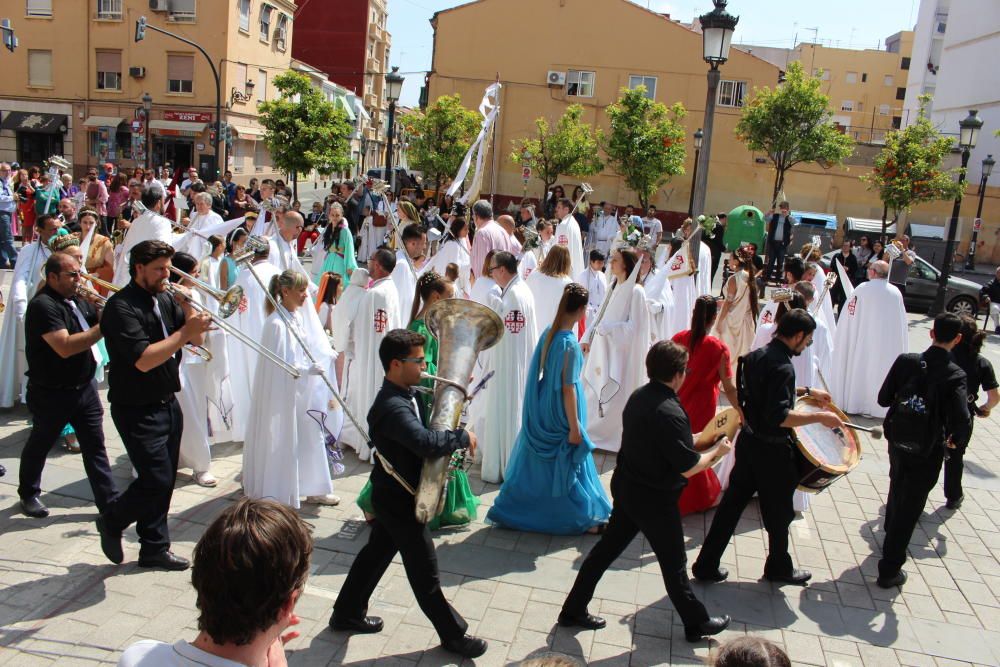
885 227
295 186
779 180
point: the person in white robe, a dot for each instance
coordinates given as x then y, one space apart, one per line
871 333
378 314
284 251
498 407
683 269
615 364
659 296
203 219
150 225
285 457
485 290
547 284
344 331
24 284
604 229
534 254
266 223
406 274
455 249
568 235
596 282
824 312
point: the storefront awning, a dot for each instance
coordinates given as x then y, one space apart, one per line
346 106
248 132
177 127
103 121
28 121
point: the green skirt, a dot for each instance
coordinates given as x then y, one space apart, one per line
459 505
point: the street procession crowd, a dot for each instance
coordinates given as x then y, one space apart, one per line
214 314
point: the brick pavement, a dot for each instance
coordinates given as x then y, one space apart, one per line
64 604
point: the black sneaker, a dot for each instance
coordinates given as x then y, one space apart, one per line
891 582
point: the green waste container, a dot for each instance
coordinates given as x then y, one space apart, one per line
745 224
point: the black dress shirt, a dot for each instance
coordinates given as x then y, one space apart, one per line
978 372
765 386
949 413
130 325
399 435
991 290
49 311
656 440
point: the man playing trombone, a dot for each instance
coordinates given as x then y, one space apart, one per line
145 330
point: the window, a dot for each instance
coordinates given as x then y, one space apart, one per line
732 93
109 9
240 80
904 63
39 68
580 84
847 105
109 144
883 110
889 80
860 107
371 49
823 74
39 8
901 93
244 15
265 22
369 83
864 77
851 77
281 32
182 10
897 122
261 158
636 80
109 70
180 74
261 85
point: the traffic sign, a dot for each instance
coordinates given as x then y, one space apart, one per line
978 224
526 173
137 127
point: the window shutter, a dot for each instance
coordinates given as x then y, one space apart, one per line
109 61
180 68
40 68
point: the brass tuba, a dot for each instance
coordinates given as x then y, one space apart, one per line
463 329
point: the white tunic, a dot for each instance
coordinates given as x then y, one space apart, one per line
596 283
547 292
406 285
871 333
704 269
27 275
459 253
660 301
195 451
603 230
377 315
484 290
345 324
147 227
499 406
825 312
568 234
285 456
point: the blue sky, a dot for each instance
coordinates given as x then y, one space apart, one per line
844 23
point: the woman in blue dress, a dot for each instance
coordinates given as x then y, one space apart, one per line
551 484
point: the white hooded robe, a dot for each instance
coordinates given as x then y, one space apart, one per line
13 364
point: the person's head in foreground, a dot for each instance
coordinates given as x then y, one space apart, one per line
749 651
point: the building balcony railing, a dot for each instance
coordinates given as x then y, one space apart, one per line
372 66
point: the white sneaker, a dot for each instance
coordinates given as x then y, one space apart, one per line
205 479
328 499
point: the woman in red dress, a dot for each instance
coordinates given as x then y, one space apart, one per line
708 365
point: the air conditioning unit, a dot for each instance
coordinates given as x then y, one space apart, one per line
137 72
557 79
159 5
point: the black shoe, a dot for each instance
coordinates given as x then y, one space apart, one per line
34 508
713 626
584 620
955 504
716 576
795 577
165 560
3 471
891 582
467 646
111 541
365 625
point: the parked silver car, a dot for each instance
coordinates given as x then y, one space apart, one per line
961 296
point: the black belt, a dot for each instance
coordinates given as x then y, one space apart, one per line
769 439
77 387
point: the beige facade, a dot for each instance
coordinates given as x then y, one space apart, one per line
667 57
80 60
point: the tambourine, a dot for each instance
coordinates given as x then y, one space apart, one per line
725 423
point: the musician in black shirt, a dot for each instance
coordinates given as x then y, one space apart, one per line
765 459
402 442
60 330
656 459
145 329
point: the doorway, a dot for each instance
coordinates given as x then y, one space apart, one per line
33 148
175 151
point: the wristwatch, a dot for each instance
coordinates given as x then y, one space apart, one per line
808 392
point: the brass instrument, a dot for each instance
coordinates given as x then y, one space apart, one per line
229 300
463 329
254 246
894 250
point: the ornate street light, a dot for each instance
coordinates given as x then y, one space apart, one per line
970 261
147 108
698 137
393 89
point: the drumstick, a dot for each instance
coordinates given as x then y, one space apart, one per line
875 431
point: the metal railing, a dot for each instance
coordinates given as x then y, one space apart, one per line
110 10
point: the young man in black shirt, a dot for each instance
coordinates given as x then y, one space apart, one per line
765 460
912 476
656 459
60 330
402 441
145 329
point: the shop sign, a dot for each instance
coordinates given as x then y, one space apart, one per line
188 116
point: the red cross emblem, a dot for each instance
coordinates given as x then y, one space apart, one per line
852 306
768 317
678 263
514 321
242 305
381 319
563 239
527 272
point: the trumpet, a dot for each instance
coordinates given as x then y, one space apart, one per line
229 300
255 245
92 295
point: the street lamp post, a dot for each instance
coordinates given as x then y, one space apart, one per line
147 108
968 133
393 87
698 136
717 28
970 261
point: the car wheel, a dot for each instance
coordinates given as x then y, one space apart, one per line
963 305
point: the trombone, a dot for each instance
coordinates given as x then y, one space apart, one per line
229 300
93 295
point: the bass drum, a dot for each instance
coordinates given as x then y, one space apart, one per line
824 455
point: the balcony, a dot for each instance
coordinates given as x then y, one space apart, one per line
371 100
373 66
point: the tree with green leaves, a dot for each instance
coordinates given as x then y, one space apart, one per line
792 124
570 148
645 145
440 137
304 130
908 171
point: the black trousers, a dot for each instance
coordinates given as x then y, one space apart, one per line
659 519
396 529
911 479
775 260
770 471
954 464
152 437
51 410
716 260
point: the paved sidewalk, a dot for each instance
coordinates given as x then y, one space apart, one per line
63 603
